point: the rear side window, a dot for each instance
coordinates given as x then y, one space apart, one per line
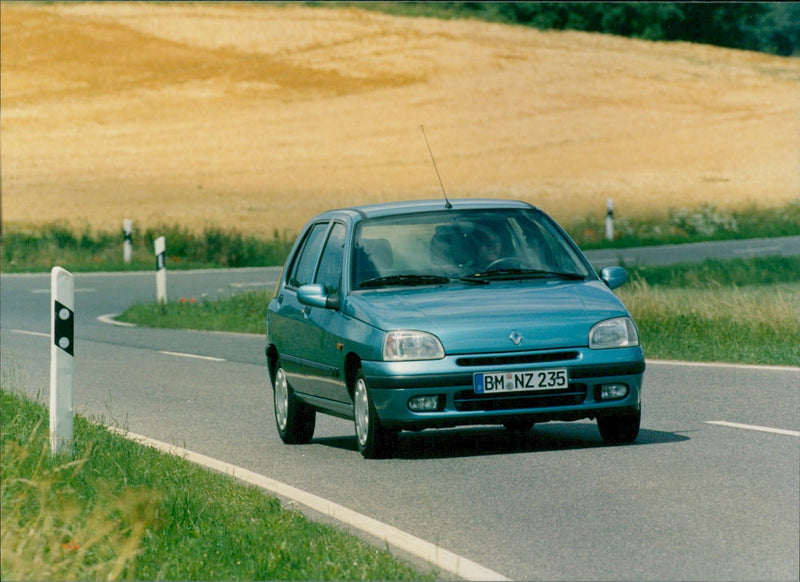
302 270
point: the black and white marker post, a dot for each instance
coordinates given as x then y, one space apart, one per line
610 219
127 245
62 356
161 270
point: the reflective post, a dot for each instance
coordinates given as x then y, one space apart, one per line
127 250
62 356
161 270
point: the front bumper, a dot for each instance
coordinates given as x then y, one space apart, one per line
393 384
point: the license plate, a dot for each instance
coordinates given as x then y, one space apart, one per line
494 382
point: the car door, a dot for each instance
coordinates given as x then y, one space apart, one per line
308 335
324 359
289 321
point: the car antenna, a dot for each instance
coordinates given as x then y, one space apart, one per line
435 167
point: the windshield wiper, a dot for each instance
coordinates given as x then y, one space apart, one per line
475 281
507 274
404 280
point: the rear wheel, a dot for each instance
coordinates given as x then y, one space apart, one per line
294 419
374 439
620 429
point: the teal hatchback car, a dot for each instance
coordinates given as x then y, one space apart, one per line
428 314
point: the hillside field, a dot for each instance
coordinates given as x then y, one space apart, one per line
255 116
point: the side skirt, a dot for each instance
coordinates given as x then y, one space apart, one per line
327 406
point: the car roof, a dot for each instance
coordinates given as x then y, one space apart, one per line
414 206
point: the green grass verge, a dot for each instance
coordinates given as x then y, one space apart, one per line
244 312
749 325
716 273
40 248
118 510
740 310
683 225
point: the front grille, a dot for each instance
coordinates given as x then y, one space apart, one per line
467 400
516 359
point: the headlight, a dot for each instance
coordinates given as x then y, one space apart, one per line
619 332
411 345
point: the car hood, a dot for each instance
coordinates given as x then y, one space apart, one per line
480 319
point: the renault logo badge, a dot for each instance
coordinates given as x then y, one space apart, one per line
516 337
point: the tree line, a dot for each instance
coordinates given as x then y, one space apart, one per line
766 27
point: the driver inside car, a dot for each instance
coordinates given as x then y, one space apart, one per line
489 248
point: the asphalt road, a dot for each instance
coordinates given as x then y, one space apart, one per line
690 500
692 252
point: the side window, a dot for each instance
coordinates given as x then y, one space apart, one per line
303 267
330 265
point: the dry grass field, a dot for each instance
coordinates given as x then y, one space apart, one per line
255 116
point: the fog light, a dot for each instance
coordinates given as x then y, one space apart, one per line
424 403
613 391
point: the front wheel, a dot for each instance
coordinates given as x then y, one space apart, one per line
294 419
620 429
375 441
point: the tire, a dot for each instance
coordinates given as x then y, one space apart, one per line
295 420
621 429
375 441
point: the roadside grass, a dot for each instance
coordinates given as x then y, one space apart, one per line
759 324
40 248
116 510
244 312
705 223
741 311
719 273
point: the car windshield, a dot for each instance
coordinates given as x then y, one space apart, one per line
467 245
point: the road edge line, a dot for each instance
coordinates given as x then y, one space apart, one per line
108 319
28 332
196 356
724 365
767 429
439 557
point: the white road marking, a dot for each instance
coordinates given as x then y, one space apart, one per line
84 290
724 365
108 319
26 332
757 249
196 356
439 557
754 427
257 284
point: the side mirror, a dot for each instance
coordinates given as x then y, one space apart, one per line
614 276
314 295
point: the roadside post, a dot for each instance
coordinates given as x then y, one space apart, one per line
610 219
127 247
161 270
62 356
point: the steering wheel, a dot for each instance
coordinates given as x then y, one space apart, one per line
505 263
